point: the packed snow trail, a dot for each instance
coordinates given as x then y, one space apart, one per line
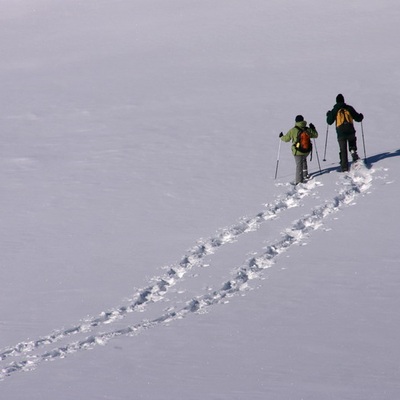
161 285
356 182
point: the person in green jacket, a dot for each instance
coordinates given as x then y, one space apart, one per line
300 157
346 134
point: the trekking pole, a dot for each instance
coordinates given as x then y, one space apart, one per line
277 160
362 133
326 141
316 152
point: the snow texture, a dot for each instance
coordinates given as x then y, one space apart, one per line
133 130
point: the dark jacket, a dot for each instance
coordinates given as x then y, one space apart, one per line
331 115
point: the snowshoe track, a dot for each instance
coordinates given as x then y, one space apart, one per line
357 181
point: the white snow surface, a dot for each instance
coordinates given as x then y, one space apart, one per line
147 251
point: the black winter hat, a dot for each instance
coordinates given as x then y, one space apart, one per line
299 118
339 98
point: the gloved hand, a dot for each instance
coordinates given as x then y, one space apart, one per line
281 134
312 126
361 116
327 113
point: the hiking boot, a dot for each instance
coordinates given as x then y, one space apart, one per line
354 155
344 167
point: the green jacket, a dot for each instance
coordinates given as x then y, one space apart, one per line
291 135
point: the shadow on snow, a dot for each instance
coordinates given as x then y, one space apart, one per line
369 161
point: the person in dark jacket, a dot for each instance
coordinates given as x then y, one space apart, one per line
300 158
344 114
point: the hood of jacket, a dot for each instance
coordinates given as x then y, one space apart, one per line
301 124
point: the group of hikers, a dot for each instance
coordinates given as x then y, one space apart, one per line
300 135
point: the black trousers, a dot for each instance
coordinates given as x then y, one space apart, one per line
346 144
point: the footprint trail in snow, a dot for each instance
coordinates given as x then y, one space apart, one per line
353 184
159 287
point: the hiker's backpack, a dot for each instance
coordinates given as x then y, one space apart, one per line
303 142
344 121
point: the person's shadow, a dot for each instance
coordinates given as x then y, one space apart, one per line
369 162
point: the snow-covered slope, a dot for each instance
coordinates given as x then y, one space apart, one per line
139 214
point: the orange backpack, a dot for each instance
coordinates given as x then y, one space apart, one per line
303 142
